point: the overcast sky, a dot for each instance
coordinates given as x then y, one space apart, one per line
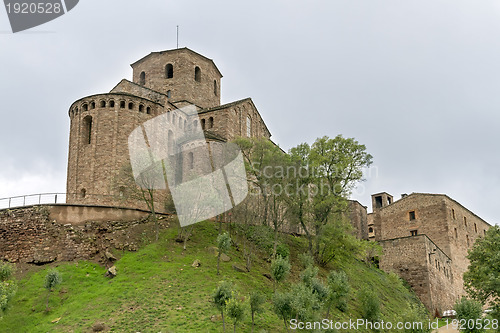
417 82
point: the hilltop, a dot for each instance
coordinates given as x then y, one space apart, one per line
158 290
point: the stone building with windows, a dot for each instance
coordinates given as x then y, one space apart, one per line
162 82
425 239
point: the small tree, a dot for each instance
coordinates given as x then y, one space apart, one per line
256 301
223 244
471 312
235 310
338 291
52 280
8 287
283 307
280 268
221 295
482 280
370 305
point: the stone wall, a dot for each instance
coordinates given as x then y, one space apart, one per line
424 266
449 225
182 85
358 218
43 234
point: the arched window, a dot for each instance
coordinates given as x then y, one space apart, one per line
122 104
169 93
215 87
111 104
191 160
210 122
142 79
103 104
87 130
148 110
197 74
370 229
130 106
92 105
83 193
170 142
85 107
169 71
249 127
203 124
141 108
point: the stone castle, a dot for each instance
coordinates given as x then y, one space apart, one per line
425 237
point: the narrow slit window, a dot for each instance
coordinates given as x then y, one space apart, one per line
191 160
169 71
142 79
197 74
87 129
249 127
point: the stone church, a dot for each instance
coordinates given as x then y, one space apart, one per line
162 82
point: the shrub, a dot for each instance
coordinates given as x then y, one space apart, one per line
280 268
6 271
471 312
418 316
338 291
52 280
370 305
256 301
235 310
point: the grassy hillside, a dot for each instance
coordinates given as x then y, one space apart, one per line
157 290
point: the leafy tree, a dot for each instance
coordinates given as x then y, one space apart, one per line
338 291
265 165
8 287
223 244
280 268
221 295
236 310
370 305
331 167
482 280
471 312
52 280
306 306
256 302
283 307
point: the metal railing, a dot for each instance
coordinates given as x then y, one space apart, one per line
32 199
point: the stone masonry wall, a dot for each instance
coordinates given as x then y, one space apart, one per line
29 235
429 275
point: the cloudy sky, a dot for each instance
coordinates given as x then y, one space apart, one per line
417 82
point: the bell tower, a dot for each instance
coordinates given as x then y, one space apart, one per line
182 75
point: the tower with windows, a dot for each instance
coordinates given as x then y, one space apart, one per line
161 82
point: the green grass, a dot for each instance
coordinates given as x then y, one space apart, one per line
157 290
